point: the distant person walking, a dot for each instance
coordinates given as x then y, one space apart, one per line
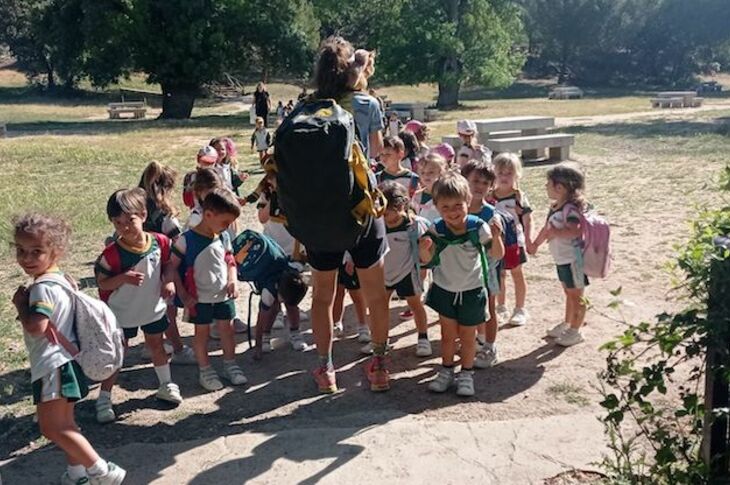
262 102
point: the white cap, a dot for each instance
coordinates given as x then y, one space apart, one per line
466 127
207 155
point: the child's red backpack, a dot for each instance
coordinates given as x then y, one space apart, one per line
112 256
188 194
595 242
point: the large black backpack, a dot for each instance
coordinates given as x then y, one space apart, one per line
325 186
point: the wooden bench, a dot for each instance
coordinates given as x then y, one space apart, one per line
566 92
137 108
558 145
667 102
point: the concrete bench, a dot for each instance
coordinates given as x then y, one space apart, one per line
414 111
566 92
697 102
558 145
667 102
138 109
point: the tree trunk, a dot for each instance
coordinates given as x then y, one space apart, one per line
448 95
51 77
177 101
450 78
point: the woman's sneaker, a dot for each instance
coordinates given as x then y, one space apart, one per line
266 346
570 337
325 379
297 342
104 410
234 374
170 392
558 330
115 476
443 381
186 356
423 348
465 383
502 313
485 358
519 317
363 334
209 380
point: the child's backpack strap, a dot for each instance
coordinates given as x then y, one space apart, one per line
473 223
413 230
165 246
226 241
114 260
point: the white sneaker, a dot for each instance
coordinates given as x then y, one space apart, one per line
104 410
266 346
367 349
502 313
234 374
185 357
519 317
170 392
569 338
297 342
278 322
338 329
465 383
558 330
115 476
209 380
423 348
66 480
443 381
363 334
239 326
486 357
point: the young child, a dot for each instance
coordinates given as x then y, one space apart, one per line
402 266
508 197
446 151
209 288
207 158
565 187
158 181
226 164
263 262
433 166
57 380
459 279
394 125
260 139
391 157
410 144
129 273
280 111
347 281
470 150
481 178
421 131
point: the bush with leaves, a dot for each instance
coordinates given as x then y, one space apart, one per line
655 437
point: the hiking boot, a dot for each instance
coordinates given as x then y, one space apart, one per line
115 476
234 374
104 411
297 342
485 358
66 480
278 322
209 380
170 392
570 337
465 383
405 315
502 313
186 356
443 381
239 326
363 334
377 374
423 348
519 317
558 330
325 379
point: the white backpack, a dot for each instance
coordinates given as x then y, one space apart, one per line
101 346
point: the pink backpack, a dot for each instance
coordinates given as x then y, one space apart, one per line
596 242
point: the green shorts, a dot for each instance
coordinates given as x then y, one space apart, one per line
66 382
468 308
568 275
206 313
154 328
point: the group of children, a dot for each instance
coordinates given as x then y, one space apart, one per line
456 219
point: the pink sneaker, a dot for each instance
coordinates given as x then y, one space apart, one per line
325 380
377 374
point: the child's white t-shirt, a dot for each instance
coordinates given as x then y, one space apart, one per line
405 178
210 268
564 250
460 267
518 206
425 206
52 301
399 261
135 306
224 170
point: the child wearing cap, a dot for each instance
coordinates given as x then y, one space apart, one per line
470 150
260 139
207 158
446 151
420 130
394 124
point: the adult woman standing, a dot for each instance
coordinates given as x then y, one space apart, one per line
262 102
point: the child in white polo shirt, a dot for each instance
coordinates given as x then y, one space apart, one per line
129 273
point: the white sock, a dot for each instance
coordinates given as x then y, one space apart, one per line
105 395
163 373
101 467
76 472
481 339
